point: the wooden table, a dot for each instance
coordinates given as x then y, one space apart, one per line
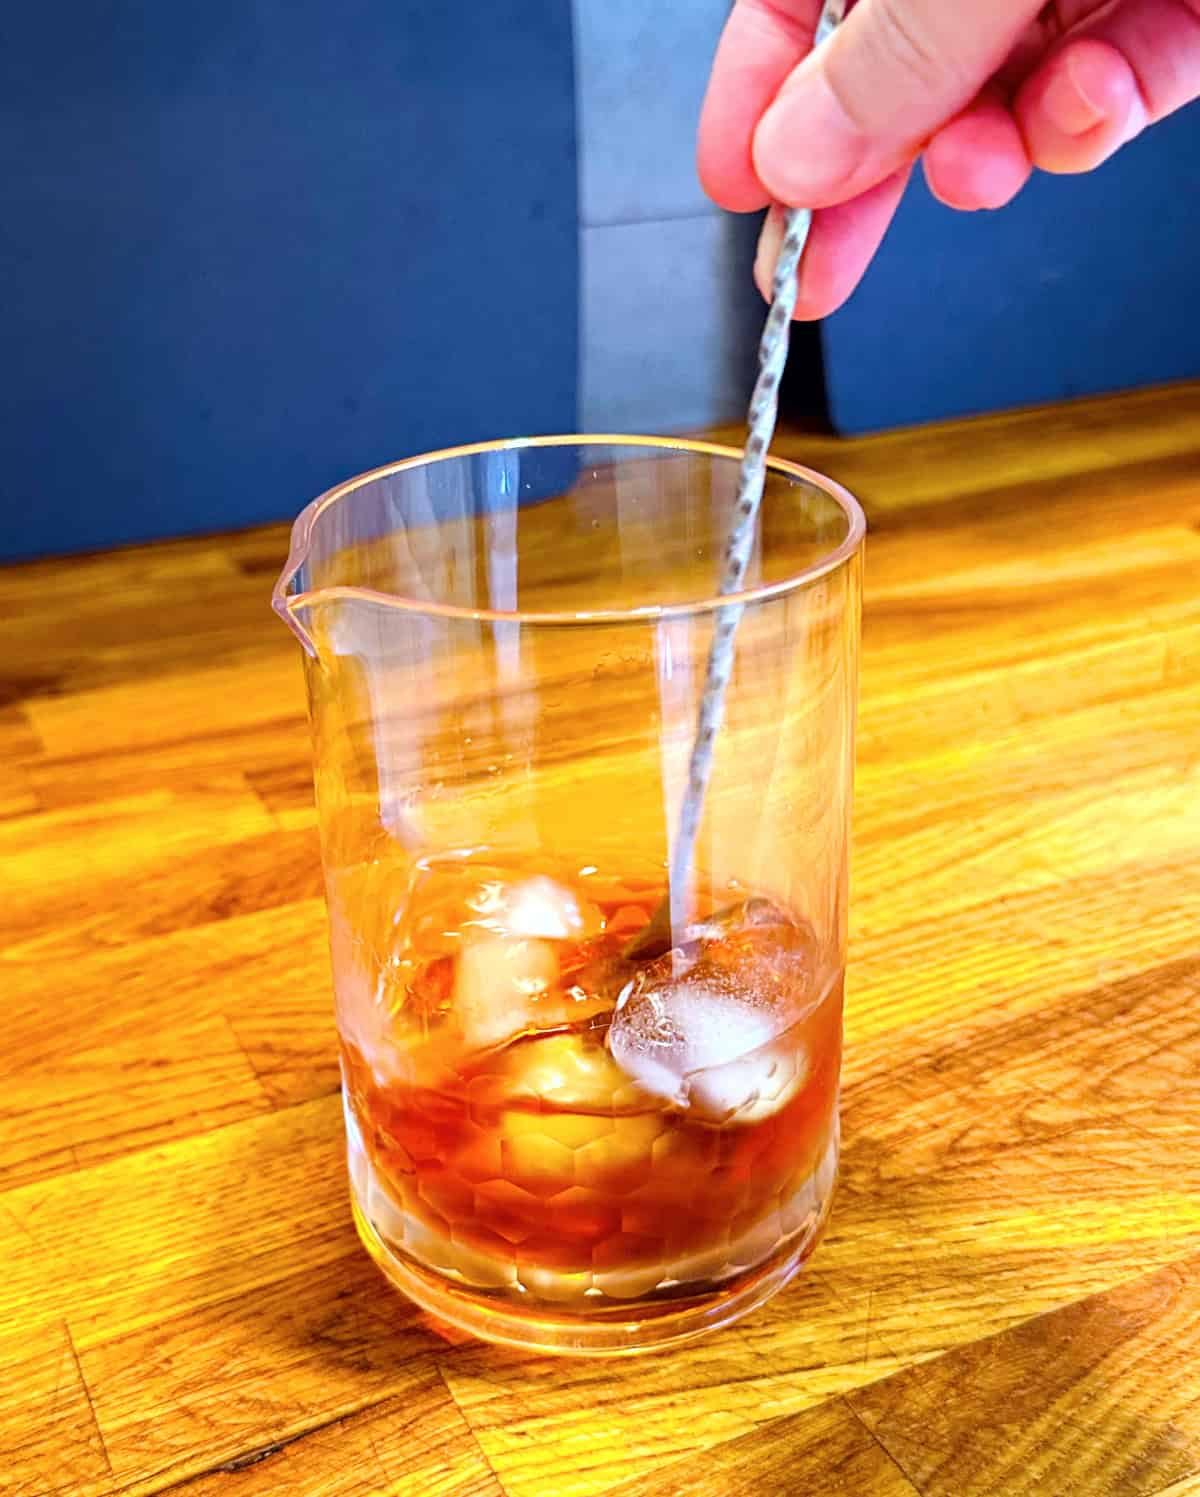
1008 1300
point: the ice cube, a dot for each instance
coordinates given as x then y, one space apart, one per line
752 1089
504 988
536 908
499 985
570 1072
710 1038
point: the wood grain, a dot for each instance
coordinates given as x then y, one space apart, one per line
414 1442
1008 1297
49 1440
824 1450
253 1371
1102 1395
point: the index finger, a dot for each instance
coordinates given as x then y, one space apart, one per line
762 42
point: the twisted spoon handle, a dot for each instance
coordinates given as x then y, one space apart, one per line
764 411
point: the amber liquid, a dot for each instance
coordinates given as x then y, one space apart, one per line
564 1161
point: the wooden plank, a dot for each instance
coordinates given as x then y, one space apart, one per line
17 796
265 690
1052 754
941 1236
108 1099
1101 1396
883 1292
287 790
413 1443
169 986
58 585
290 1038
134 614
981 710
261 1369
79 858
138 1239
823 1450
18 741
211 873
277 954
197 755
1021 1125
948 460
18 744
1015 951
1015 1081
574 1428
50 1445
946 1135
1021 845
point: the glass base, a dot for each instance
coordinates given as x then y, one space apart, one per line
615 1329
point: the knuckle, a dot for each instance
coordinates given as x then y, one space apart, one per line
902 38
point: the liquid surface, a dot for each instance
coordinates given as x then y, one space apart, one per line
538 1114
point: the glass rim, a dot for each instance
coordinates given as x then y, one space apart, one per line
286 603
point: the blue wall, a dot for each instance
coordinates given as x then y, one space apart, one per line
249 249
1084 284
671 318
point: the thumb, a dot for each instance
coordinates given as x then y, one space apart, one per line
863 105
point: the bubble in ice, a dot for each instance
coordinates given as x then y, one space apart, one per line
704 1028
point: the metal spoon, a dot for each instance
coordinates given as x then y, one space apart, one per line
764 410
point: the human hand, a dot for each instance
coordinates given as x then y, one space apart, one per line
983 90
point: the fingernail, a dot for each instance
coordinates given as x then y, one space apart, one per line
1067 102
805 148
765 257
